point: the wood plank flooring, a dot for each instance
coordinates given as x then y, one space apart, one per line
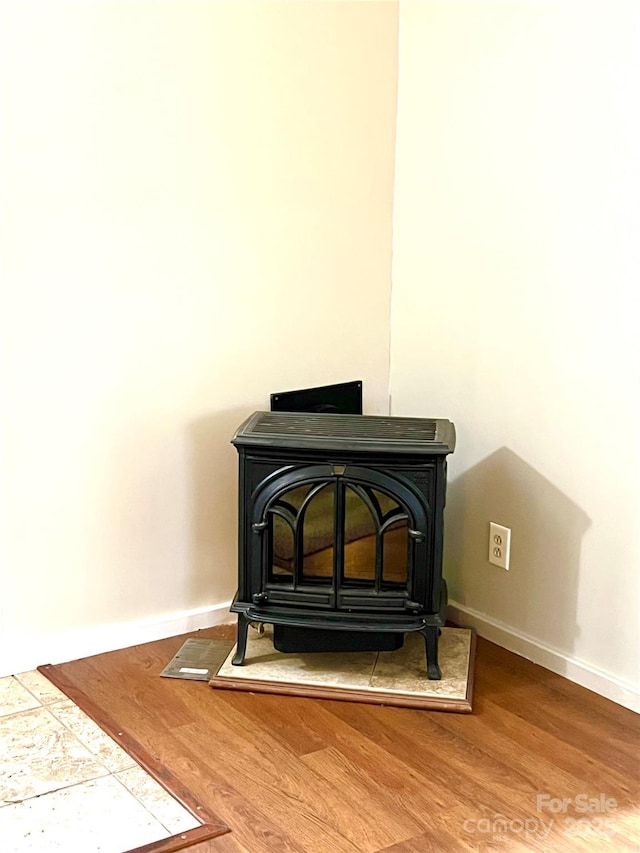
296 775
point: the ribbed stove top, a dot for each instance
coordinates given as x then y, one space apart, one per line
347 432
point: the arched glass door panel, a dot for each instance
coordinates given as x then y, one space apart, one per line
395 548
316 534
360 530
283 548
376 551
302 541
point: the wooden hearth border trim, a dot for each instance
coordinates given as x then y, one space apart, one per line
211 826
345 694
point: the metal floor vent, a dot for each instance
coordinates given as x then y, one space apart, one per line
198 660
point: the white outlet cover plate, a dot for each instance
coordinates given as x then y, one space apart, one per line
499 545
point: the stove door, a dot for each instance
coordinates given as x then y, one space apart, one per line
338 537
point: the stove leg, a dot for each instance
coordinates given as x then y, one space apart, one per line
431 646
241 646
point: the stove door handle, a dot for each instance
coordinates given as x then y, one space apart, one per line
412 606
260 597
417 535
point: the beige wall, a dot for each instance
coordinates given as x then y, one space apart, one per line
196 211
197 198
514 309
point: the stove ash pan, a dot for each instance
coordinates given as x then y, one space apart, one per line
341 526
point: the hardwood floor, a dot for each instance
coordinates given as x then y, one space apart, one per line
296 775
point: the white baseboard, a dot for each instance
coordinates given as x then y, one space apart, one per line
31 651
622 692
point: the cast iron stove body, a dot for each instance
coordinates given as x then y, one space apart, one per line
341 525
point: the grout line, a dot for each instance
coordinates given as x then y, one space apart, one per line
146 807
95 755
21 711
55 790
16 677
30 692
373 669
82 744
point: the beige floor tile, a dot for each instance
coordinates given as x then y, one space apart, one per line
38 754
153 796
40 687
99 816
14 697
91 735
405 670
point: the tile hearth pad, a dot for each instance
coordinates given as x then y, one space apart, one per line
391 678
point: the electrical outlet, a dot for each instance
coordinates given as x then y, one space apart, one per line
499 545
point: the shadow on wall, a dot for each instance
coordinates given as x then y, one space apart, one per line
214 506
538 595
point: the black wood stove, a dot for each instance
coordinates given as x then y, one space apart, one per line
340 529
